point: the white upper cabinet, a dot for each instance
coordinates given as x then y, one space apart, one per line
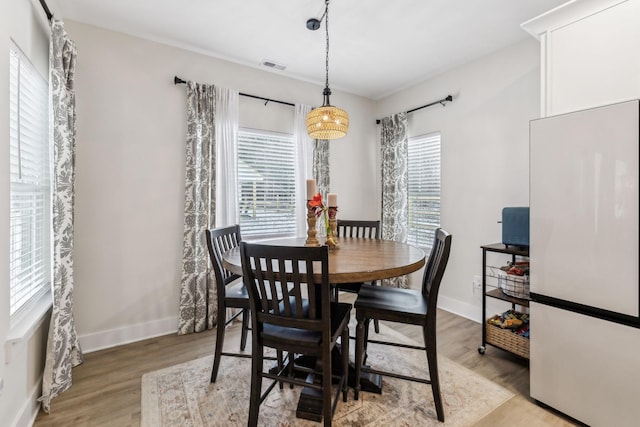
590 54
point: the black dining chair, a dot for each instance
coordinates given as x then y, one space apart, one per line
407 306
230 290
306 321
367 229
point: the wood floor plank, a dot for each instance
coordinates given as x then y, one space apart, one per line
106 387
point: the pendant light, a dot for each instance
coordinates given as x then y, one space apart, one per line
327 122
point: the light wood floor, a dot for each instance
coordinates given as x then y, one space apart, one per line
106 387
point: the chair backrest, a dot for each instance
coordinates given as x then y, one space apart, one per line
305 297
359 228
434 270
219 241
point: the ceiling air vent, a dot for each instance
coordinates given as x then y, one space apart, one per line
271 64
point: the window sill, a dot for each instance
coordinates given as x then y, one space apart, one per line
24 326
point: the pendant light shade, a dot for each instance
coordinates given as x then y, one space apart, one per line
327 122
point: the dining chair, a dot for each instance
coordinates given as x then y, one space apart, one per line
305 321
230 290
363 229
407 306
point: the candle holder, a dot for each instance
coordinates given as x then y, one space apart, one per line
333 228
311 226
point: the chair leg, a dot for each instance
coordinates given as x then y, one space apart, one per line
245 328
280 363
376 324
220 330
345 363
326 387
256 385
432 359
359 355
292 362
366 340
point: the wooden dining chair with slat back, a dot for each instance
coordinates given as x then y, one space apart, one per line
367 229
230 290
407 306
305 321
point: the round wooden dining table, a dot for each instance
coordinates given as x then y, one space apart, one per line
355 260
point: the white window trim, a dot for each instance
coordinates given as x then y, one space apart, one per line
26 322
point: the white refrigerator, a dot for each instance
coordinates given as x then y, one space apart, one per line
585 309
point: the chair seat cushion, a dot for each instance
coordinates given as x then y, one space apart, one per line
388 303
281 335
236 289
305 307
350 287
236 293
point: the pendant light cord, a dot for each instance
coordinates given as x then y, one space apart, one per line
326 26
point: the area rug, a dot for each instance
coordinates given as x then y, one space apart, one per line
182 395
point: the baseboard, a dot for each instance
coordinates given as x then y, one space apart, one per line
469 311
141 331
115 337
26 417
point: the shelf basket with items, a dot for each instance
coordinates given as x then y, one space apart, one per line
513 278
509 331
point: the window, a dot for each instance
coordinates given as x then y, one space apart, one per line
29 251
266 183
424 189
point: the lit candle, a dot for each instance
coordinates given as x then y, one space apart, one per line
333 200
311 188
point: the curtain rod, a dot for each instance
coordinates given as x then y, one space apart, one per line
46 10
178 81
449 98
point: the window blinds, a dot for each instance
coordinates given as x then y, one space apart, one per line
29 251
266 183
424 189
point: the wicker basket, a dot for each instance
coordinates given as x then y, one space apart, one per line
512 285
508 340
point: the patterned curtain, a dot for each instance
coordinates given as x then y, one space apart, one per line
321 175
394 145
63 348
197 293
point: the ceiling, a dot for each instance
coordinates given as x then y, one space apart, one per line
377 47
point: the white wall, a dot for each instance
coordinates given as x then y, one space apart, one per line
485 153
22 361
130 172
